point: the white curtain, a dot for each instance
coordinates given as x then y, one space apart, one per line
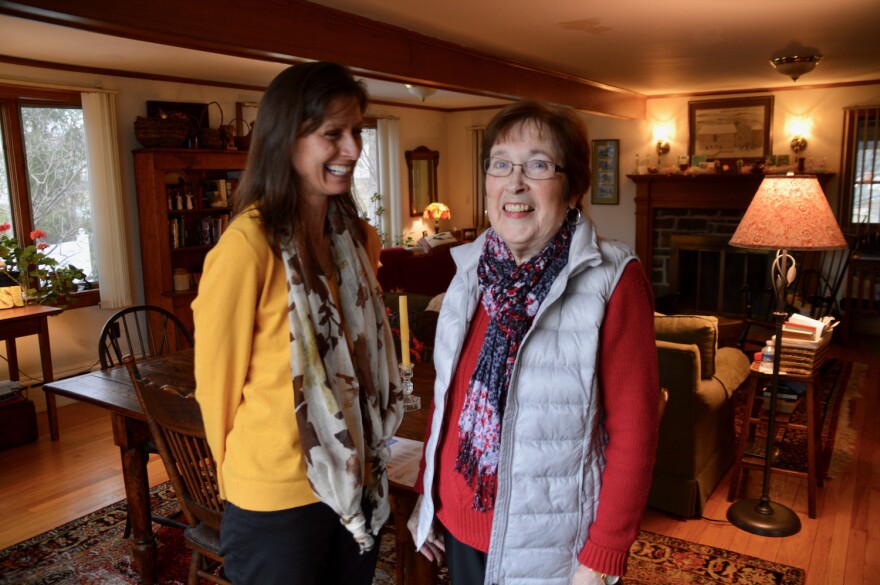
108 215
478 182
389 178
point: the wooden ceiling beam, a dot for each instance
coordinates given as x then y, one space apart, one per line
292 30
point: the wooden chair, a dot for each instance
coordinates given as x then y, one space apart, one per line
862 287
143 331
176 423
814 293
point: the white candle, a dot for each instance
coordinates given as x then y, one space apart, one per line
404 330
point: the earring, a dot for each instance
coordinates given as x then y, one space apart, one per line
573 218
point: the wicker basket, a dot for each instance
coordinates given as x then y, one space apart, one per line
161 132
803 357
212 138
241 142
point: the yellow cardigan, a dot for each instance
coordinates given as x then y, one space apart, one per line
242 367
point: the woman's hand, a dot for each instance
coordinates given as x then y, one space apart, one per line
433 549
586 576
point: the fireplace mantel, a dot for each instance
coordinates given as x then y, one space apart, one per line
707 191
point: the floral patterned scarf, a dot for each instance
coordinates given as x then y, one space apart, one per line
511 295
347 390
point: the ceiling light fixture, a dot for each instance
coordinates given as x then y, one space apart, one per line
795 66
420 91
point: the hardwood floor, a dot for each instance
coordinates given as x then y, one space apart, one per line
45 484
842 544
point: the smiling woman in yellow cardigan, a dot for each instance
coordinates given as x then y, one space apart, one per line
295 368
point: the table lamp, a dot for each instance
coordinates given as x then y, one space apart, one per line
437 211
789 212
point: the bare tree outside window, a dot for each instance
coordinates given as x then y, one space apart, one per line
57 166
866 190
366 180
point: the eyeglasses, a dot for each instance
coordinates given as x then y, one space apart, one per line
533 169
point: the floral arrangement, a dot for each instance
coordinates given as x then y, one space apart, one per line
41 278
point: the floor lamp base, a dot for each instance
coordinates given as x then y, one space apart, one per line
764 518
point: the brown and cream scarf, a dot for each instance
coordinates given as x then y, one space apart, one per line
347 390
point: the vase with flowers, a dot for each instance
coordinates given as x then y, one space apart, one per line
43 280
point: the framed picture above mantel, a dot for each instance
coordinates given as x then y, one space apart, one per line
731 129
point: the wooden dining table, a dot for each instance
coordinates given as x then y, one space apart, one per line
112 389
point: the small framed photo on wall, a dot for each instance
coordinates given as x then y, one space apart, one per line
606 170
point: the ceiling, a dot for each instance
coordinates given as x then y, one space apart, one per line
653 48
674 47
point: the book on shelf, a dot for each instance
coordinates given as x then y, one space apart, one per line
177 232
211 228
174 234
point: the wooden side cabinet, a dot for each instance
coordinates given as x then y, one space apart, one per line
185 199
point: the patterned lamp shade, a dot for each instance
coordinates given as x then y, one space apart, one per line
437 211
789 213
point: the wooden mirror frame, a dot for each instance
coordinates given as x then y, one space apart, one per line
421 192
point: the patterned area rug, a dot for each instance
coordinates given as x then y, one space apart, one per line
839 384
90 551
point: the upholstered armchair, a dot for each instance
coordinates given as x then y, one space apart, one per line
697 442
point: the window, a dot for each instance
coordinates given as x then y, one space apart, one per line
861 167
44 182
366 177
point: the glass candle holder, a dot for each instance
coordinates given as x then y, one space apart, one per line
410 402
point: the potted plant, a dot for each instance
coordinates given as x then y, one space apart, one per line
42 279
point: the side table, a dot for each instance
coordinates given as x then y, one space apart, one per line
752 412
21 322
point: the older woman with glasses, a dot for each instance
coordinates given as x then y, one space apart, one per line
541 442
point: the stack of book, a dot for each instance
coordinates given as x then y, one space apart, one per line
800 330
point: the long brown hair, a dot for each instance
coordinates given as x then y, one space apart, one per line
565 129
293 106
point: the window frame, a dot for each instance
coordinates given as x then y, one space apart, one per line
12 99
854 116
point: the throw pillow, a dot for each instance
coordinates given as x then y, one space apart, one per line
699 330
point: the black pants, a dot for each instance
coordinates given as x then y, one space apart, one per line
303 546
466 565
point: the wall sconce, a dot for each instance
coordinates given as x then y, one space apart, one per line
662 132
798 144
662 147
799 129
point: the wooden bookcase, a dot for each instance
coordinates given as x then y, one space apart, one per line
161 174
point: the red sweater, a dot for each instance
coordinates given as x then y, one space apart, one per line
629 396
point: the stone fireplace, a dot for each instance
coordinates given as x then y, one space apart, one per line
683 224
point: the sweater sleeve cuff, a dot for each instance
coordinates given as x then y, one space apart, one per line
603 560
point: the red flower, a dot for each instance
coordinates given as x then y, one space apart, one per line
38 234
5 226
42 246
